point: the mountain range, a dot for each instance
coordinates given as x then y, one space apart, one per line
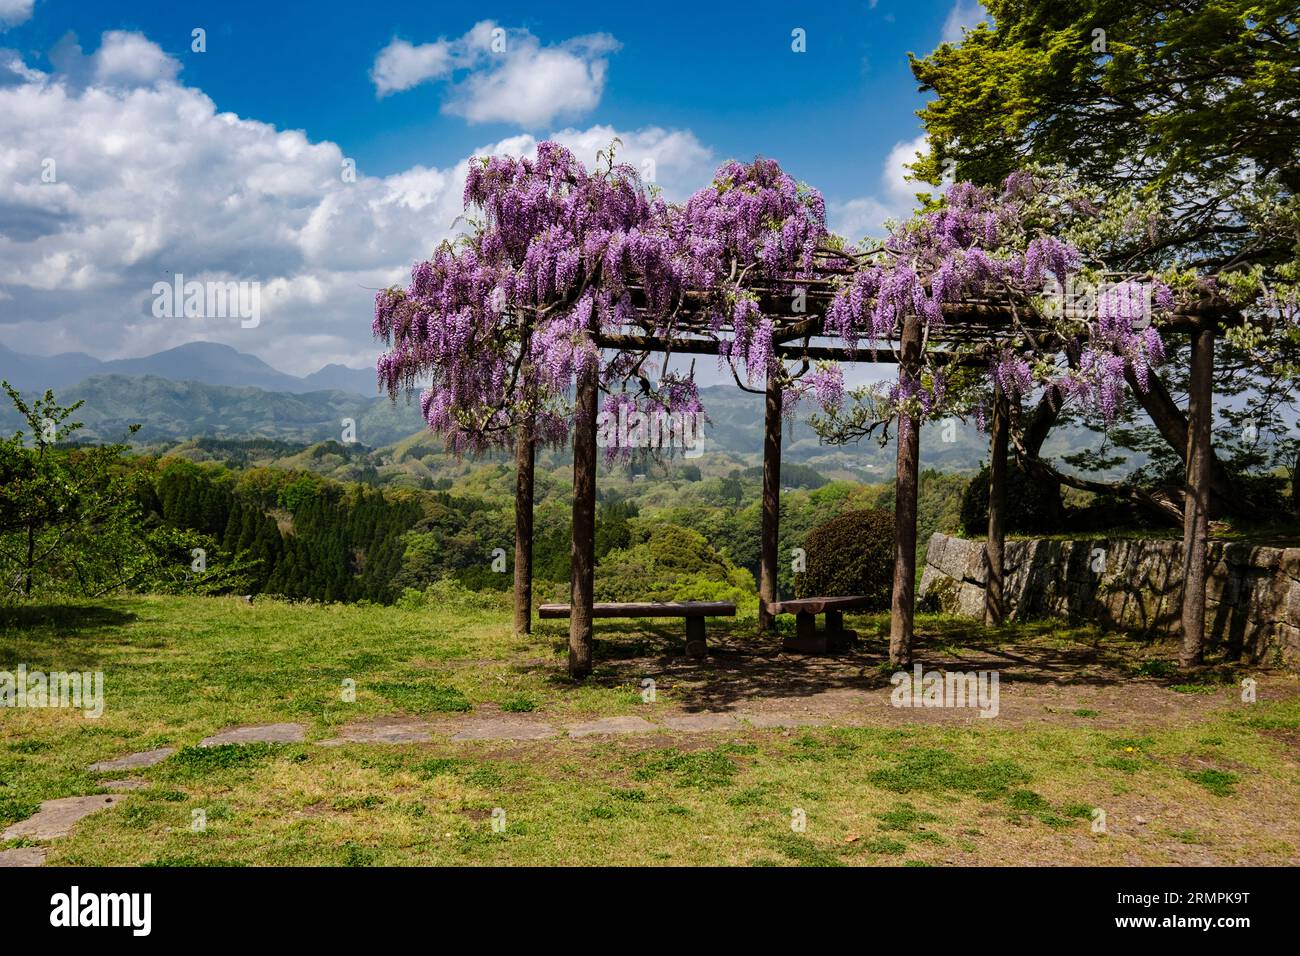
206 390
206 362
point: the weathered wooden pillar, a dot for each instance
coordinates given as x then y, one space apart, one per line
994 590
902 605
767 561
1196 524
583 553
524 467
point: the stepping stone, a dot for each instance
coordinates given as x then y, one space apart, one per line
697 723
266 734
382 730
612 725
131 761
23 856
503 728
56 818
783 720
127 783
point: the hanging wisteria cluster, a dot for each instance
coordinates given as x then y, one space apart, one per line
503 321
1001 244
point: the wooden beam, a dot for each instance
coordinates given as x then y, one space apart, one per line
994 592
583 551
525 459
903 601
1196 525
697 346
767 576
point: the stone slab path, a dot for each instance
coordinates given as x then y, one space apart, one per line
503 728
56 818
612 725
406 730
23 856
383 730
265 734
145 758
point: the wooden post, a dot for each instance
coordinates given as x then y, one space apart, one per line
994 597
583 552
902 605
1196 524
524 466
767 577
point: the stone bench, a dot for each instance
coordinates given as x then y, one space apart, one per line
693 612
806 640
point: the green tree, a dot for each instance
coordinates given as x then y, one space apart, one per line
1185 110
72 517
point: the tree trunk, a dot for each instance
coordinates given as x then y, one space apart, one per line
524 465
767 587
1197 497
902 604
994 598
1173 427
1295 485
583 553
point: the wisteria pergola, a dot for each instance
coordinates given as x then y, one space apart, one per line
974 330
514 323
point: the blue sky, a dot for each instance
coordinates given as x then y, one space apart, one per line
407 92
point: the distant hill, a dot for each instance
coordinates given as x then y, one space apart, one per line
207 362
206 390
362 381
170 411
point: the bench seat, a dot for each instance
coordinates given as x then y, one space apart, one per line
693 612
806 640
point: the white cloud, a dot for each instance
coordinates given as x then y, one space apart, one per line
506 75
14 12
401 65
962 17
896 198
151 180
128 59
674 160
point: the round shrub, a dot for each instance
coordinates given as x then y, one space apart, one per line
851 554
1032 507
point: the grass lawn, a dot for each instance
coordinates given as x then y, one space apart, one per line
1185 772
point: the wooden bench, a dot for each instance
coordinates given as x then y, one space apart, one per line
806 640
694 612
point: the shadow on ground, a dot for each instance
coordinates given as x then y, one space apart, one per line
63 618
745 666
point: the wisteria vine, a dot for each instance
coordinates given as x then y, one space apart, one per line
501 322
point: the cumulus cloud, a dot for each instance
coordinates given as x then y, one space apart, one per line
124 60
673 160
111 186
128 59
501 75
963 16
402 65
14 12
895 199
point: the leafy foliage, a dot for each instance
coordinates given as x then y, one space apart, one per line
851 554
76 519
666 562
1033 507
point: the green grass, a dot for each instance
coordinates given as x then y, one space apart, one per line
891 793
1221 783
